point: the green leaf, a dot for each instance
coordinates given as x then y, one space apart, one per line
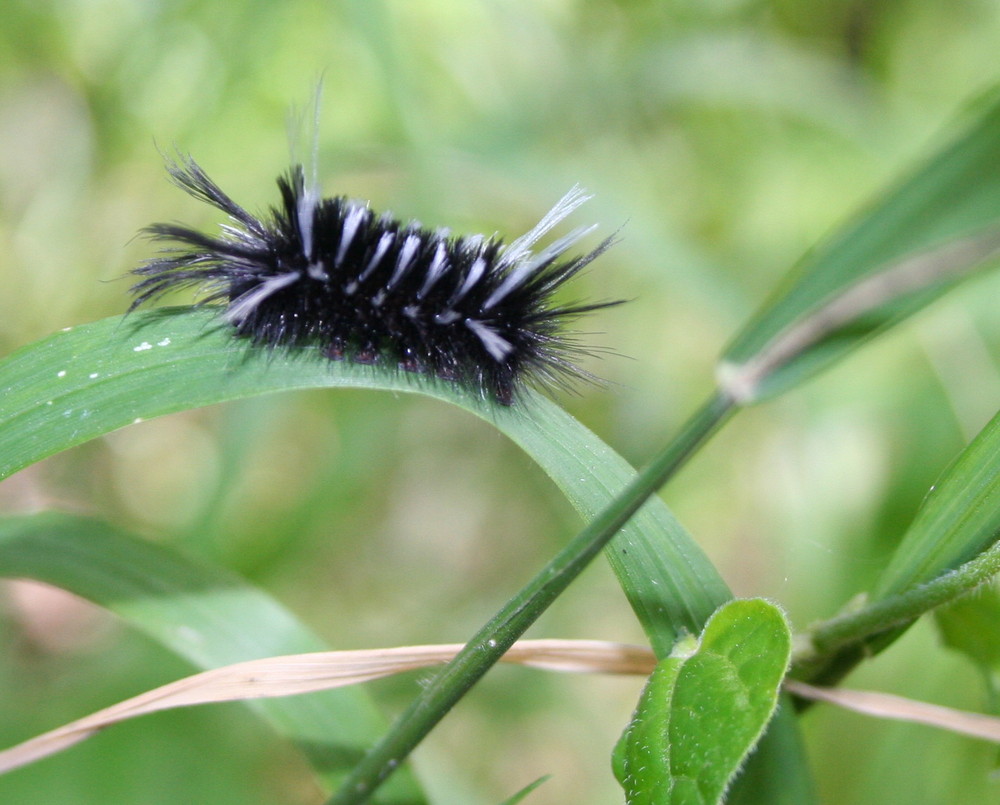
959 518
206 615
705 707
89 380
520 795
777 773
641 759
955 529
954 194
85 382
971 625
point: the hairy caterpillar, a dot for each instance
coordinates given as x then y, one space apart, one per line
333 274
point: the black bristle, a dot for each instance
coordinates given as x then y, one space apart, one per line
371 289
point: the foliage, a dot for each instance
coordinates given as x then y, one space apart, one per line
731 136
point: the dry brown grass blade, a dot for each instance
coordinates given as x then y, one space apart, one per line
886 705
305 673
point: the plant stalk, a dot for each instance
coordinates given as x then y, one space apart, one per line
828 637
504 628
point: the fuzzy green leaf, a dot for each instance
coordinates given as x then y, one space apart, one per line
705 707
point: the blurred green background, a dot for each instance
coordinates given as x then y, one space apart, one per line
724 137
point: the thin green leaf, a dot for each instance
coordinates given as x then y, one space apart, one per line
206 615
520 795
705 707
830 648
89 380
959 519
954 194
949 549
95 378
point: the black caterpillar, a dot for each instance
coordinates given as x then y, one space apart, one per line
369 288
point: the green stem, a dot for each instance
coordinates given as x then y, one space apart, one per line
828 637
493 640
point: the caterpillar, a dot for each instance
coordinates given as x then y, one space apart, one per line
333 274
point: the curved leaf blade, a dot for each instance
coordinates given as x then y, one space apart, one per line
105 375
82 383
524 792
959 518
955 193
206 615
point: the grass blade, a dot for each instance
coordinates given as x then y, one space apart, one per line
85 382
204 614
953 195
92 379
959 519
